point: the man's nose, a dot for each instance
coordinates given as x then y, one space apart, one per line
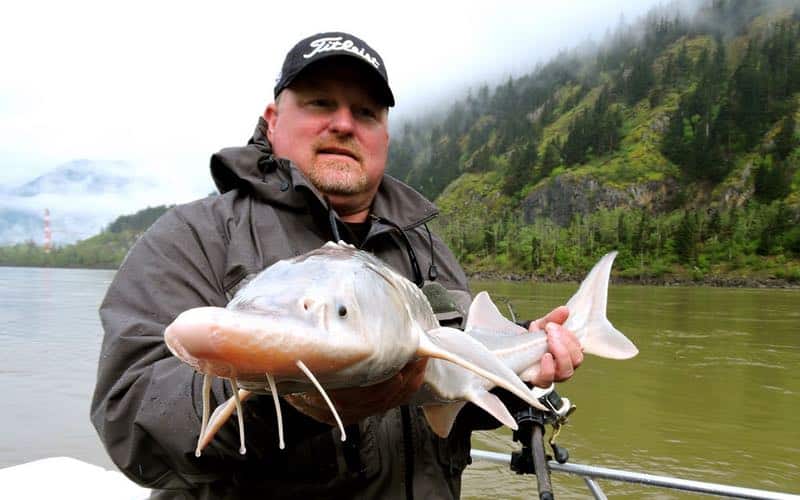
342 120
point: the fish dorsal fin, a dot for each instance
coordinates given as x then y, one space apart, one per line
441 417
341 244
457 347
483 314
587 315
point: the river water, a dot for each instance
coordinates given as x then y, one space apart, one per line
714 394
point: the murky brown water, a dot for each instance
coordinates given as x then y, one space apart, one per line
714 394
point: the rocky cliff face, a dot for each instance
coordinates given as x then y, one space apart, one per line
566 195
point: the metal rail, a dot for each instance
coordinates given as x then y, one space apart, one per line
590 473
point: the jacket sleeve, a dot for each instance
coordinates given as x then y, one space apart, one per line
147 403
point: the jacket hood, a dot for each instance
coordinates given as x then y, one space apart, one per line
254 168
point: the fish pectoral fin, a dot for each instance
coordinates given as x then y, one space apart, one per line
494 407
441 417
457 347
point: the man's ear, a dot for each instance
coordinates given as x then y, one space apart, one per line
271 117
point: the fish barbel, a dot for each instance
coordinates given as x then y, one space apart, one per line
334 317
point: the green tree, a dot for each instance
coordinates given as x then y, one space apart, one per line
520 169
551 157
686 238
785 141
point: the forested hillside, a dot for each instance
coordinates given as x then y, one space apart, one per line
674 141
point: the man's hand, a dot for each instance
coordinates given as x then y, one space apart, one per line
565 353
355 404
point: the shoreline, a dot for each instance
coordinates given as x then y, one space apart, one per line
715 281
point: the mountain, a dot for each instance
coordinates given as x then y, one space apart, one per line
83 196
82 177
674 141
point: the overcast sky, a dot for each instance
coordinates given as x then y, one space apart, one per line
164 84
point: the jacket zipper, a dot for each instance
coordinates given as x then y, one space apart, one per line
408 451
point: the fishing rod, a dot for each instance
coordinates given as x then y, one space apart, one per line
532 423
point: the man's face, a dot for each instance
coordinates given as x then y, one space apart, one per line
330 123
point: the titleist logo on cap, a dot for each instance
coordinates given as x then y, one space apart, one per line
329 44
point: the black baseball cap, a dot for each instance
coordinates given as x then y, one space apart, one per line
324 45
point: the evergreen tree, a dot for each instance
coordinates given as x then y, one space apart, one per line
639 77
785 141
520 169
642 233
622 230
715 223
771 180
551 157
686 238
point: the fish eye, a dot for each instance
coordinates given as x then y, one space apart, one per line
342 311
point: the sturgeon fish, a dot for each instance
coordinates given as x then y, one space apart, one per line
334 317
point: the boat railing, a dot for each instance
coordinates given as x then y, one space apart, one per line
591 474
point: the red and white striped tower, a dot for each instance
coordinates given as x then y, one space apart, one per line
48 235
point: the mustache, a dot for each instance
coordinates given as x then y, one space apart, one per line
345 146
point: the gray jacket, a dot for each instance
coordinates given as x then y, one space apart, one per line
147 404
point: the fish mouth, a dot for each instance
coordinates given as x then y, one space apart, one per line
245 346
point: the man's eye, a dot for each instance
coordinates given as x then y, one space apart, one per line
320 103
367 112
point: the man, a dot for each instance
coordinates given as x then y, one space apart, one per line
313 171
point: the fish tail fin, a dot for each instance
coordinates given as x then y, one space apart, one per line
587 315
457 347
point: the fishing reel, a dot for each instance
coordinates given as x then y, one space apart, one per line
531 459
